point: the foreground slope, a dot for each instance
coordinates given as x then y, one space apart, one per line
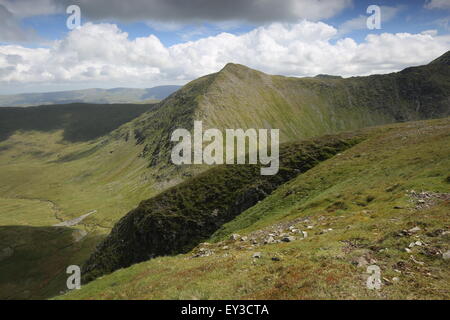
383 202
179 218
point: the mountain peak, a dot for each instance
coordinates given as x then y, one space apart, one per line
235 67
444 59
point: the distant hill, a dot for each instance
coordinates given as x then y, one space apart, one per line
117 95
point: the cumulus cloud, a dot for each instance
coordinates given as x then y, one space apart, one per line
103 54
437 4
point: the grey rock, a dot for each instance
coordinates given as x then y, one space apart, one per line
257 255
414 230
446 255
235 237
269 240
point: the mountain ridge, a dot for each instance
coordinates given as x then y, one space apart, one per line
240 97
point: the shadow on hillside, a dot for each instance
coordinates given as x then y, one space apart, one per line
33 260
80 122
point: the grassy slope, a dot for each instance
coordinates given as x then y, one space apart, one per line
239 97
45 180
177 219
66 180
354 194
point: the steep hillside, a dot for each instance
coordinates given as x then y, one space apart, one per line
384 202
178 219
117 95
239 97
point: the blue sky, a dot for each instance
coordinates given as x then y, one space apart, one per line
144 43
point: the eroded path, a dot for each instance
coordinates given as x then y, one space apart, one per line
74 222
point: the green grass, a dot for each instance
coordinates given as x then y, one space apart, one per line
361 194
179 218
27 212
39 168
45 180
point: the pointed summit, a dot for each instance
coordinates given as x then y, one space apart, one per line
444 59
237 68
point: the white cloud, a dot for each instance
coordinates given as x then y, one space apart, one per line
103 55
432 32
437 4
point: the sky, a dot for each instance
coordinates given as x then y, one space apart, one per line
146 43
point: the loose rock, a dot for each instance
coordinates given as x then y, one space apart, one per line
257 255
288 239
269 240
235 237
446 255
414 230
